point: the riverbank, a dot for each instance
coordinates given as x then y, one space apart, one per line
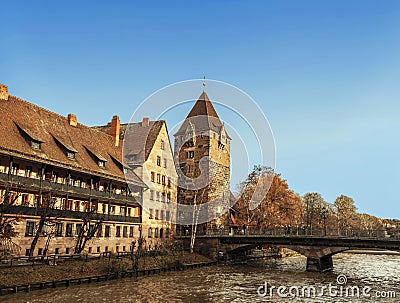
81 271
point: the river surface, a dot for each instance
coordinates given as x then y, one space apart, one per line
373 276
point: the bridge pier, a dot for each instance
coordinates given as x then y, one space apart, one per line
320 264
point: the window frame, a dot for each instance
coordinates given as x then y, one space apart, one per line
29 230
68 231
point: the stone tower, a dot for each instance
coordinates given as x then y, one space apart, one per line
202 157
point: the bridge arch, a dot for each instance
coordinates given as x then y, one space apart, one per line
318 258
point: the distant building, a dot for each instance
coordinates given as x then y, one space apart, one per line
43 154
202 155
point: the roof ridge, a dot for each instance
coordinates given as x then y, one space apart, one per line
42 108
129 123
53 113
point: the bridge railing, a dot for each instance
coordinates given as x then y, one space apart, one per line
300 232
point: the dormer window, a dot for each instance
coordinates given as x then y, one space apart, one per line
96 156
66 146
70 155
31 136
35 145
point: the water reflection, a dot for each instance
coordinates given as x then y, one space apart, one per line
236 283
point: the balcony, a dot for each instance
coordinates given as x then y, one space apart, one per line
33 211
79 192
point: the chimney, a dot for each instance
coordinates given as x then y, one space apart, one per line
145 122
3 92
115 129
72 120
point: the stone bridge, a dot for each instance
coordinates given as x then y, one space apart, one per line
318 249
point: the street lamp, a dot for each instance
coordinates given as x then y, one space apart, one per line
325 215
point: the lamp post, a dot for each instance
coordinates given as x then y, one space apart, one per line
324 216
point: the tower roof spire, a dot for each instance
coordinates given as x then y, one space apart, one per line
203 107
203 116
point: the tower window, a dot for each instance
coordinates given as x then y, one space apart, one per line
190 154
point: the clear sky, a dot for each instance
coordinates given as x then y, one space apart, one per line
325 73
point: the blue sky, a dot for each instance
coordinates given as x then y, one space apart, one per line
325 73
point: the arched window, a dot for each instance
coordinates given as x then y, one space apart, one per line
150 232
161 232
156 233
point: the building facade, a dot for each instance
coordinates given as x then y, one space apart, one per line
148 153
48 157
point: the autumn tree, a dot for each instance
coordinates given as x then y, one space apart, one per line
279 207
369 223
318 213
346 212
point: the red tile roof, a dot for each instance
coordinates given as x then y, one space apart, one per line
21 120
137 139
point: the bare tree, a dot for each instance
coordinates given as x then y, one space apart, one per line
198 200
91 222
50 233
7 222
48 218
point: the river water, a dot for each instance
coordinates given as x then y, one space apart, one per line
373 276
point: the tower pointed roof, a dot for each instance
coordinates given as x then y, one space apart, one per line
203 107
202 117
